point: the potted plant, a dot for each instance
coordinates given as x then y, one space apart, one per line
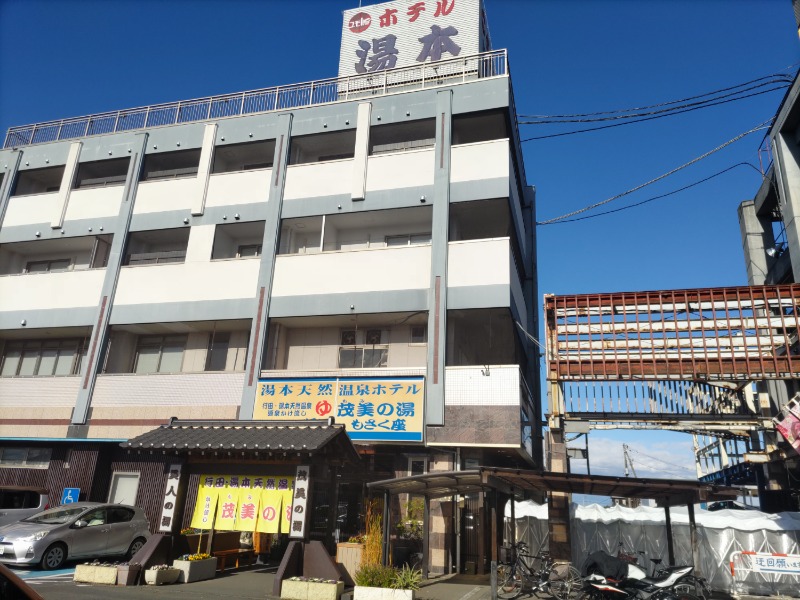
128 573
378 582
311 588
195 567
96 572
350 554
161 575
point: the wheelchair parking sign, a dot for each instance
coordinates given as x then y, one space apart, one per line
70 495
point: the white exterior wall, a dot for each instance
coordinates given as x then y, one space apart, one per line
188 282
161 196
355 271
35 393
173 389
468 386
42 291
31 209
94 203
479 262
243 187
318 179
482 160
400 170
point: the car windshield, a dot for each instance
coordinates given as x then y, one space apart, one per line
55 516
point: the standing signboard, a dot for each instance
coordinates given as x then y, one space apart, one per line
403 33
299 502
170 497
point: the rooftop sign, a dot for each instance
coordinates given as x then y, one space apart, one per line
407 32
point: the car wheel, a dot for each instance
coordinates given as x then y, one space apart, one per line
54 557
136 545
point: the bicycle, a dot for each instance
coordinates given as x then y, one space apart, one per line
515 572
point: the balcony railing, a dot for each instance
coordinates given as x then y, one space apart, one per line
299 95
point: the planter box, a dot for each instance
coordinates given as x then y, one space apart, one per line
195 570
349 555
311 590
164 577
128 574
95 574
362 592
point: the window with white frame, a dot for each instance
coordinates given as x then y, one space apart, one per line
123 488
25 458
42 358
159 354
419 334
417 465
363 349
48 266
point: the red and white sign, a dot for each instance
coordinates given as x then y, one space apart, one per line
408 32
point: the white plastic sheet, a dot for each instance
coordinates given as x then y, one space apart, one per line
720 534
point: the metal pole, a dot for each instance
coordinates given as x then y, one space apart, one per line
493 580
426 534
670 543
588 469
693 537
386 515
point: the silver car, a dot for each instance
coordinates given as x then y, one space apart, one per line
79 530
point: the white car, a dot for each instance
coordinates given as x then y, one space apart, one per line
78 530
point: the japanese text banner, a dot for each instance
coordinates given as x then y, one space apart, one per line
237 502
372 409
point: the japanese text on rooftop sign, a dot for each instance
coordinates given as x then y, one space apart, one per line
371 409
407 32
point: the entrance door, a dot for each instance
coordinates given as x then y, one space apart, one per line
123 488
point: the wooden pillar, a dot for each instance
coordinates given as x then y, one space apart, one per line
386 529
693 538
494 513
481 524
670 541
426 538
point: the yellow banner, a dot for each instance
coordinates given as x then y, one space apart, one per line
372 409
286 513
237 503
248 509
269 515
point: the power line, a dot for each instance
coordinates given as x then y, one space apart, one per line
608 112
673 192
555 135
659 178
661 460
546 120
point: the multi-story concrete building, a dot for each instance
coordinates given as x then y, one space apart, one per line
248 259
771 241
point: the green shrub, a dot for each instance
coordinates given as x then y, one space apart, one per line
375 576
407 579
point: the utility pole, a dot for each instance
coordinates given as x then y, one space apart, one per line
628 460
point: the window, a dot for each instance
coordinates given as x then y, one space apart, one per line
48 266
25 458
217 355
123 488
410 239
419 334
156 247
398 137
321 147
159 354
101 173
417 465
118 514
362 349
38 181
156 258
248 250
42 358
243 157
170 165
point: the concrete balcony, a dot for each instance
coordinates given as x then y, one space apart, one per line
315 180
408 169
48 291
482 274
347 274
31 209
166 195
37 406
187 283
481 161
94 203
242 187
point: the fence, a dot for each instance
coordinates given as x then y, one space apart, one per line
299 95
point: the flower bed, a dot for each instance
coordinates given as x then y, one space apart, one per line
195 567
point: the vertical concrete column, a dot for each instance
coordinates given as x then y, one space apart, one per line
361 155
204 169
98 342
787 165
10 170
67 179
272 227
756 236
437 295
558 511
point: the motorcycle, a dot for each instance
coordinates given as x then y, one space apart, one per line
609 578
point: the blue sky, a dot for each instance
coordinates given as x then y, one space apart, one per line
65 58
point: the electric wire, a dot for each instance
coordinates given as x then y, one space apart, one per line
673 110
661 460
758 127
632 121
607 112
660 196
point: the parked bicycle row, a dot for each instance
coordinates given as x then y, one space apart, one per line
602 577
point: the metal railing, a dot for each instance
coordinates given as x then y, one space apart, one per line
299 95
